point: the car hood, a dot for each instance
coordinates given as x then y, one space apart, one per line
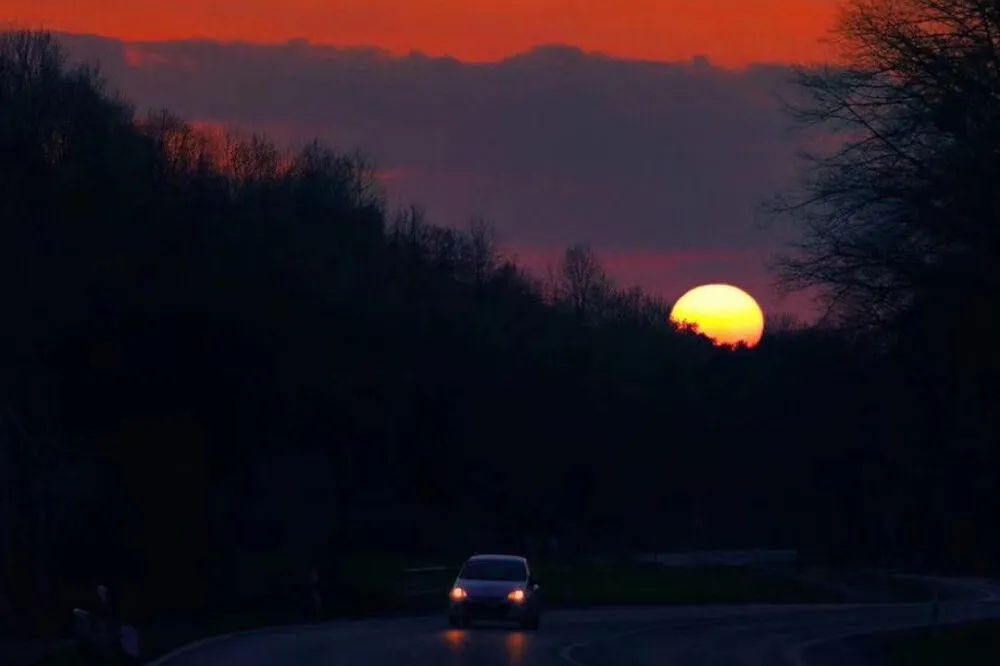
488 588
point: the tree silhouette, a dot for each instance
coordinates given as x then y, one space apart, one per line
583 284
904 207
901 221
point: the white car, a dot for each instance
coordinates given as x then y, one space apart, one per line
495 587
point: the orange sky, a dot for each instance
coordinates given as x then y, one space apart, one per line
729 32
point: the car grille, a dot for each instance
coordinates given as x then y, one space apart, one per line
488 606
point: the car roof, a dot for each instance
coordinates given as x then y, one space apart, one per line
511 558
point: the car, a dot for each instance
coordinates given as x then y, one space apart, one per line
495 587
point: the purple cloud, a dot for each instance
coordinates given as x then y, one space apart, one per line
648 162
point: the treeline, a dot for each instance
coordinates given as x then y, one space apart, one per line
215 353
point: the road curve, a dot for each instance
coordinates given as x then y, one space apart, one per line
688 636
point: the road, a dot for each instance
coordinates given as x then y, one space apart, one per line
692 636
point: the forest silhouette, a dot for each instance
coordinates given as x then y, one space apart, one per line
215 351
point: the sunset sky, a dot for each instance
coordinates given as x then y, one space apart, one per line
647 128
730 32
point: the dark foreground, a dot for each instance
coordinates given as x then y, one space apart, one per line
963 645
694 636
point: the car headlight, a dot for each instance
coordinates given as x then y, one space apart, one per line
458 594
517 596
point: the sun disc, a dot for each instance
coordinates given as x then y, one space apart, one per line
725 314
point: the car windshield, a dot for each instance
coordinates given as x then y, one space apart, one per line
494 570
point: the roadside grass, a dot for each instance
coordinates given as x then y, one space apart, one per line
891 588
158 639
356 585
66 658
965 645
649 585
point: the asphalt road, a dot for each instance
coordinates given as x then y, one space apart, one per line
692 636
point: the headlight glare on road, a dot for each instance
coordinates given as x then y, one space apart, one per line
517 596
458 594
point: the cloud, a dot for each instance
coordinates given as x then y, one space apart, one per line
555 146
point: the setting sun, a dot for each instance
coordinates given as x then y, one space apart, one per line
726 314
